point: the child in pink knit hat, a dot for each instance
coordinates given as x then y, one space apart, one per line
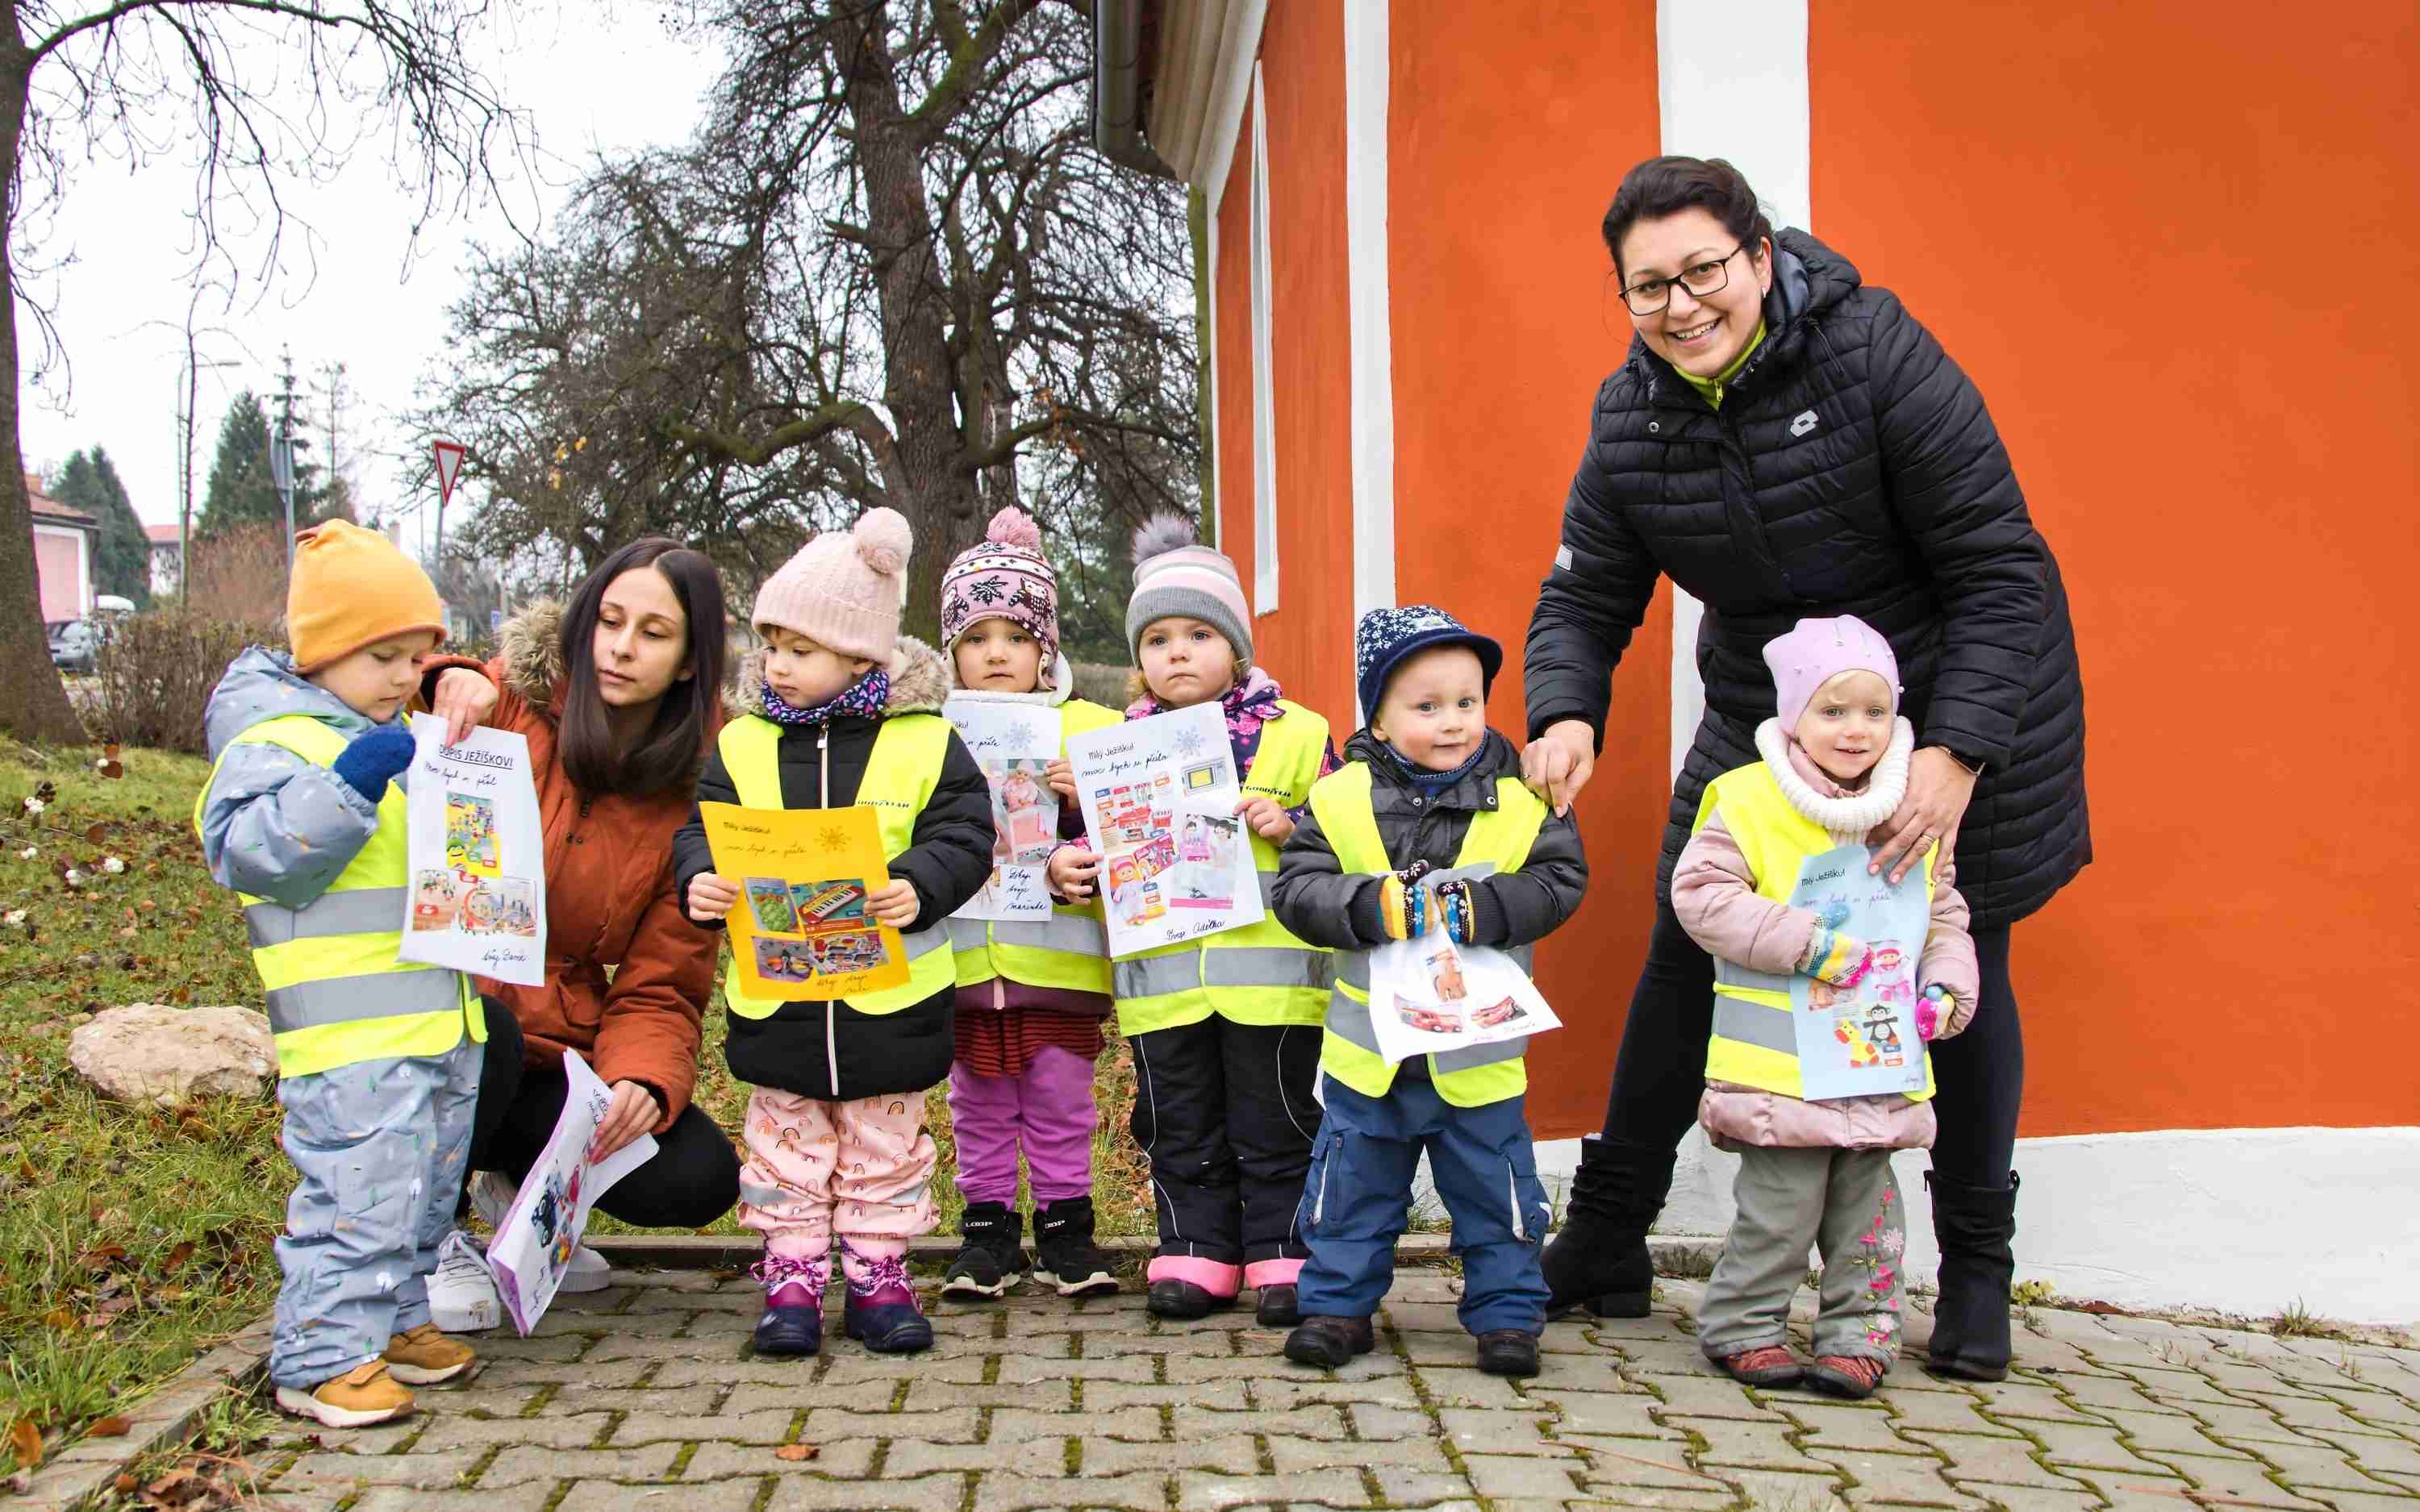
1834 766
1031 996
841 709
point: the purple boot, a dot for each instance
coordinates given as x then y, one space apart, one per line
794 1305
882 1307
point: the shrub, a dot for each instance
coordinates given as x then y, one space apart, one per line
156 671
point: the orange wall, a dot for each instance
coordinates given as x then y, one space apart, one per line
1498 349
2177 245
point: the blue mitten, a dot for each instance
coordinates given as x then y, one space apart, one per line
373 759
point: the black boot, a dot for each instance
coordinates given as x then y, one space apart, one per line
1970 1319
1063 1237
992 1259
1598 1259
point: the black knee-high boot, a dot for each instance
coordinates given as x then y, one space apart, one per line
1598 1259
1975 1226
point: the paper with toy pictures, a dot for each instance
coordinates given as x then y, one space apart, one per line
476 855
1159 798
1015 745
801 928
1430 995
542 1228
1860 1041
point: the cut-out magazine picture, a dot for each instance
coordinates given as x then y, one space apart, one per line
477 855
1013 744
1432 996
1860 1040
534 1242
802 929
1159 798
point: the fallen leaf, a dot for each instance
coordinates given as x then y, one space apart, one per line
25 1442
60 1319
124 1485
2098 1307
96 834
795 1452
112 1426
178 1256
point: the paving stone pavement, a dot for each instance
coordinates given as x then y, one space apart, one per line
645 1395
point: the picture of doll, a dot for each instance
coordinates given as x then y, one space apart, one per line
1445 975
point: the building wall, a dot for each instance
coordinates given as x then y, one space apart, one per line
62 559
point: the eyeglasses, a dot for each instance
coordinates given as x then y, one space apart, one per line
1650 295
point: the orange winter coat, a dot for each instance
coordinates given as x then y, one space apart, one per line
627 976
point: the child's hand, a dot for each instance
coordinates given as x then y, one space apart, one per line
893 903
1267 818
1062 778
373 758
710 896
1838 958
464 701
1071 871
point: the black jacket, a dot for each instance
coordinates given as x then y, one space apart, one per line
877 1053
1325 905
1851 470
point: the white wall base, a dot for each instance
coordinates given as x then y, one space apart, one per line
2246 1220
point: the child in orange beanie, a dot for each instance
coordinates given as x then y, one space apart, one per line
378 1058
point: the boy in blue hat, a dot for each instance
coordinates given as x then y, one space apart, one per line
1427 829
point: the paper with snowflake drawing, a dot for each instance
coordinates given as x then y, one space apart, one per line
541 1229
1013 744
802 929
1860 1040
1159 798
477 860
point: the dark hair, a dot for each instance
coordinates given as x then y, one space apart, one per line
1666 186
668 753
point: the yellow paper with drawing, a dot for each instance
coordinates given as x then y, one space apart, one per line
801 928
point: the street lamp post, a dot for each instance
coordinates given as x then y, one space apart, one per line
187 381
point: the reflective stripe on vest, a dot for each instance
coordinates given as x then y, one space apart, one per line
1755 1041
1068 951
1498 840
900 773
1258 974
332 988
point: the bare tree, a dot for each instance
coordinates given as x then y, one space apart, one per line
136 80
890 269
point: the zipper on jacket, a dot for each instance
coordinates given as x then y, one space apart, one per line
831 1008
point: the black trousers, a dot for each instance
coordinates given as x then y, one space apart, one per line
693 1180
1980 1075
1226 1115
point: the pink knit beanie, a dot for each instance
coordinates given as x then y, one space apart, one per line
1003 578
1815 651
844 589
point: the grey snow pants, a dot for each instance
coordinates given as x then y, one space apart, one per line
1844 1201
380 1147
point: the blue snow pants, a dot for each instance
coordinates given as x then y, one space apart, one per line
1357 1199
380 1147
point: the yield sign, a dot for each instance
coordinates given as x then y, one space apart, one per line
449 466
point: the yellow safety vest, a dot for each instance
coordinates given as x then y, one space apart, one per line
1755 1042
1498 840
1260 973
1070 949
336 993
901 772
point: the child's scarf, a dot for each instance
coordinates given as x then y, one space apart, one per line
864 699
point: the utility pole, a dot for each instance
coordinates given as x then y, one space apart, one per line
281 447
187 382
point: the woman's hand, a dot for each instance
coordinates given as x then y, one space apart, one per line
893 903
1071 871
1062 778
1558 763
1267 818
710 896
1938 791
464 701
634 1111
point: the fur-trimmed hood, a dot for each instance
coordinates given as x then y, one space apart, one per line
920 681
531 647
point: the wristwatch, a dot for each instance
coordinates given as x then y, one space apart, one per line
1973 765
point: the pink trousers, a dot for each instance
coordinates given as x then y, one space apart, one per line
1048 1113
860 1171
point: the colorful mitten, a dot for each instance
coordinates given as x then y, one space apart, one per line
1407 908
1459 907
1838 958
1929 1010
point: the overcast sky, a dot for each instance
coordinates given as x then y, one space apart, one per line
589 85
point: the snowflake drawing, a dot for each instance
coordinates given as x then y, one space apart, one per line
986 591
1021 734
1188 742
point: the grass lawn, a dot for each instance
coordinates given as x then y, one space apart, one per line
131 1241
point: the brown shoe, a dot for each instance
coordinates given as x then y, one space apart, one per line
1772 1366
1854 1376
424 1357
361 1397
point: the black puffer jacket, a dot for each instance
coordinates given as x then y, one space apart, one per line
948 861
1851 470
1325 905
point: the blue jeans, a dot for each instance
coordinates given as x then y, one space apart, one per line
1359 1195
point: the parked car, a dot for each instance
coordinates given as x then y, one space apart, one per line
74 644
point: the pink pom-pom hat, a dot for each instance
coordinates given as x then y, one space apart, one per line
1003 578
844 589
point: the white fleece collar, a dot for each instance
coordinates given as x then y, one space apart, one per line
1850 815
1061 675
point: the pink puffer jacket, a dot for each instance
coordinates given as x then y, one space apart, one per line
1716 897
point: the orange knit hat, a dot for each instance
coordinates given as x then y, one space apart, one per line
351 588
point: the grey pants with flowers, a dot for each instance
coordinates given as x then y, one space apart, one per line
380 1147
1844 1201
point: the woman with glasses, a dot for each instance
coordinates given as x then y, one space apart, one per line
1784 441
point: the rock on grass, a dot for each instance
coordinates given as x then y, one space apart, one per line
164 1056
